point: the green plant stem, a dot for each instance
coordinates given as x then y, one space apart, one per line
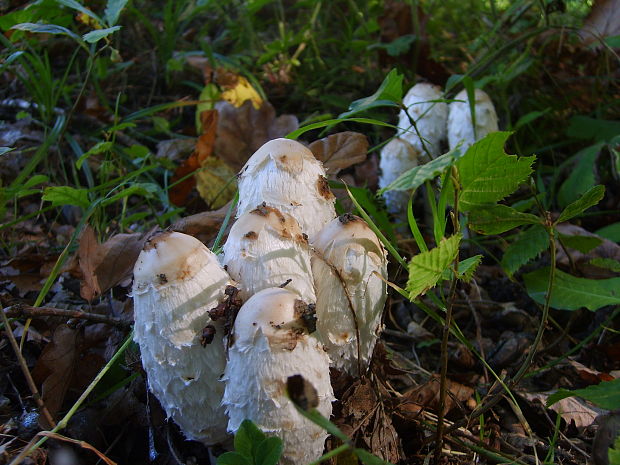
332 453
65 420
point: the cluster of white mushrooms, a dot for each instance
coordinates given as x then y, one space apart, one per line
435 121
312 288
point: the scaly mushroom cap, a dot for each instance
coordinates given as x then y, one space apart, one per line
177 280
284 174
397 157
430 118
266 248
271 343
460 127
347 269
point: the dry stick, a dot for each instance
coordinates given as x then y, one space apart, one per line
82 444
33 312
26 372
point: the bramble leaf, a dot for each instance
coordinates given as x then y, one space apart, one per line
528 245
587 200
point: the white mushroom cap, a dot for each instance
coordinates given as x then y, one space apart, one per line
285 174
348 268
460 127
397 157
177 280
271 343
430 118
266 248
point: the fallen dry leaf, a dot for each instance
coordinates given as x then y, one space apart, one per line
340 150
203 226
606 250
426 396
603 21
241 131
569 408
103 266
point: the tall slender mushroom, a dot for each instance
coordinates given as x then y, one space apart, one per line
266 248
350 270
285 174
177 280
397 157
430 118
271 342
460 125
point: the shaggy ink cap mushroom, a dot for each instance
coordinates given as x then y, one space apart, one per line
460 126
270 343
177 280
285 174
267 248
397 157
350 272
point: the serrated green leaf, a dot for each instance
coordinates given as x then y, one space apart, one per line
606 263
65 195
426 268
99 147
47 29
581 177
247 439
611 232
233 458
389 93
528 245
269 452
605 395
98 34
467 268
418 175
572 293
497 219
583 244
587 200
113 10
487 174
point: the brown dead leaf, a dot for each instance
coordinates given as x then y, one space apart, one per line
203 226
359 401
54 369
340 150
241 131
179 193
603 21
384 440
103 266
426 396
588 375
569 408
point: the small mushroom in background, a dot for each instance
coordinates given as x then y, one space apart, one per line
271 342
285 174
397 157
348 268
430 118
177 280
460 126
266 248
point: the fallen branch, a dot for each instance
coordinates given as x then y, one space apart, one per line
33 312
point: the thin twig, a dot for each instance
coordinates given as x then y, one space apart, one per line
82 444
33 312
26 372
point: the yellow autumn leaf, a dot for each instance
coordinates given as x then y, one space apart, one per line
241 92
216 182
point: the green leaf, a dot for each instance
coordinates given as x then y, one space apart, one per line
397 47
368 201
418 175
611 232
47 29
606 263
528 245
529 117
605 395
572 293
467 268
581 177
426 268
98 34
369 459
35 181
4 150
487 174
269 452
587 200
315 417
584 127
581 243
65 195
233 458
144 189
497 219
82 9
113 10
614 453
99 147
247 439
389 93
